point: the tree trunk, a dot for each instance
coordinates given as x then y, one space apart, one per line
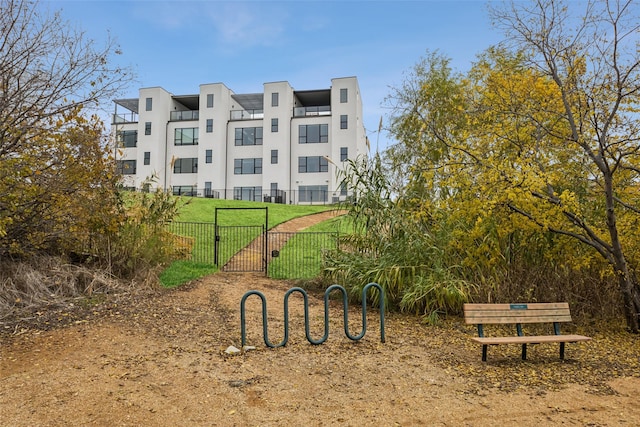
631 298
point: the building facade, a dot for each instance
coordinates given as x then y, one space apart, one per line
281 145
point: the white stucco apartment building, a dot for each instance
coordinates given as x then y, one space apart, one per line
281 145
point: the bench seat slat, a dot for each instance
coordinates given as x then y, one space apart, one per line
536 312
516 313
530 306
531 339
519 318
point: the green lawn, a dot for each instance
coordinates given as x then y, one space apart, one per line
203 210
301 256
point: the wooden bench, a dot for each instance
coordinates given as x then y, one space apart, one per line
518 314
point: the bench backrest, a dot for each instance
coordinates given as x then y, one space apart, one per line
516 313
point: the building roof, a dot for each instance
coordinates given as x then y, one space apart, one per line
130 104
250 101
192 102
314 98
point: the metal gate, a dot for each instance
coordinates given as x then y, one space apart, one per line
241 248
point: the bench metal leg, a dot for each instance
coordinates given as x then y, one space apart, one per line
484 353
524 352
561 351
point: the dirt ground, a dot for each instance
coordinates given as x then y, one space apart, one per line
159 360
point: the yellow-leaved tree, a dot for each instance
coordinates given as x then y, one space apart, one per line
58 189
589 51
56 178
540 138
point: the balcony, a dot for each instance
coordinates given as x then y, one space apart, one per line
124 118
177 116
247 114
323 110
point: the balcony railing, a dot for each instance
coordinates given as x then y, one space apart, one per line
323 110
247 114
124 118
177 116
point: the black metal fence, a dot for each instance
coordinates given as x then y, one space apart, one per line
298 255
311 196
283 255
197 238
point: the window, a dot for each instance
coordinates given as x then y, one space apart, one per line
311 134
274 99
147 157
343 121
274 157
344 96
129 138
247 193
186 165
147 128
313 193
208 156
209 100
343 189
186 136
126 167
149 104
207 189
248 136
344 153
313 164
247 166
184 190
274 125
274 189
209 125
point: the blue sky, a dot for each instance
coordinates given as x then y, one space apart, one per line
181 44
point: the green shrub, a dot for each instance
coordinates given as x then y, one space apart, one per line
141 240
389 247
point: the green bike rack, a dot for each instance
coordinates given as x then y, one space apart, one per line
306 315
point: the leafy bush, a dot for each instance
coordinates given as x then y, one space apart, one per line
142 240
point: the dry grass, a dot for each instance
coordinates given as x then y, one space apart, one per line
27 286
